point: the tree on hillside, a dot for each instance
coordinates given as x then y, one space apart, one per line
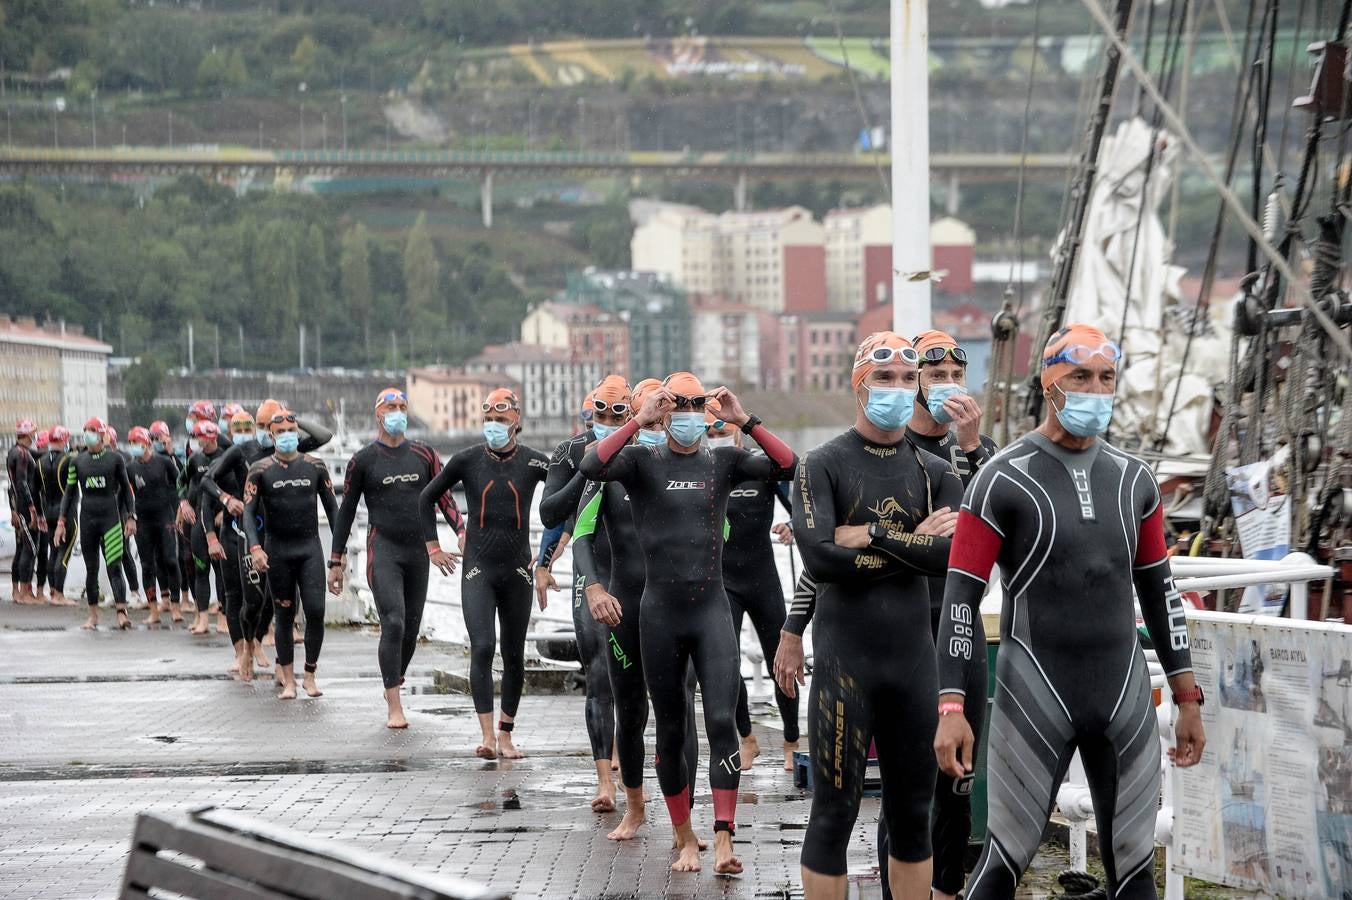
422 270
354 271
276 282
141 384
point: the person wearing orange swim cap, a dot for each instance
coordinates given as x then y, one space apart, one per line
608 406
872 516
154 477
24 513
499 478
679 495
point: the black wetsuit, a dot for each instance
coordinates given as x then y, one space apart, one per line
128 563
155 480
605 520
97 484
283 493
679 502
391 479
558 502
875 674
247 604
23 501
495 573
753 586
203 566
1073 533
52 467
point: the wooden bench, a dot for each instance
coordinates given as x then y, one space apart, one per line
214 853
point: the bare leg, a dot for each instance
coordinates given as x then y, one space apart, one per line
634 815
749 751
687 849
910 881
488 747
790 748
506 749
604 801
286 677
394 709
725 861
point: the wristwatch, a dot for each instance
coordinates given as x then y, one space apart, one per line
875 531
750 423
1191 695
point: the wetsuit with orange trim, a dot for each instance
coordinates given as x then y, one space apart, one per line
680 503
391 479
874 678
496 571
1074 532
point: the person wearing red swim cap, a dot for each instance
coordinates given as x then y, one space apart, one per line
499 478
192 512
97 487
23 511
1077 528
154 477
679 496
51 468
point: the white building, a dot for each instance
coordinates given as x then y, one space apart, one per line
54 375
726 343
858 258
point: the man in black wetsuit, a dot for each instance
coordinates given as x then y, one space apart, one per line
390 473
679 495
281 490
610 408
96 483
248 605
1074 524
24 512
154 478
872 515
128 563
753 585
192 513
52 467
162 444
612 585
499 476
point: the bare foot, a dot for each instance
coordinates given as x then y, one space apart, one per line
311 688
123 620
174 615
633 820
750 750
288 691
604 801
60 599
267 639
687 857
260 658
91 624
508 750
725 863
486 751
233 671
790 748
699 842
199 626
245 665
154 617
222 627
396 719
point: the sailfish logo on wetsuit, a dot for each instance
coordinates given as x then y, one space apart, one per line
886 509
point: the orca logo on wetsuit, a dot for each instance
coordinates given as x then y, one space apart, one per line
391 479
745 492
685 485
292 482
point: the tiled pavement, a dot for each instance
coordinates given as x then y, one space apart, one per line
94 728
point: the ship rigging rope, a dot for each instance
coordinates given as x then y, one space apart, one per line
1128 56
1017 255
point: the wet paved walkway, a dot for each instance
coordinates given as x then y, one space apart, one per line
96 727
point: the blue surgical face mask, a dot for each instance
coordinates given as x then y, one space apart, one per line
396 423
935 397
603 431
287 441
497 434
243 437
1085 415
188 424
687 428
889 408
651 438
139 451
160 448
265 439
91 438
223 425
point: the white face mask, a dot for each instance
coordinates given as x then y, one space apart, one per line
726 440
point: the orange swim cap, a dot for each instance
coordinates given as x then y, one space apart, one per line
683 384
643 389
1076 335
266 410
928 340
613 389
880 349
502 397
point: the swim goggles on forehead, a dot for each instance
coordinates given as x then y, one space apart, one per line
695 403
282 417
499 406
1075 354
937 354
392 397
618 409
881 356
240 427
